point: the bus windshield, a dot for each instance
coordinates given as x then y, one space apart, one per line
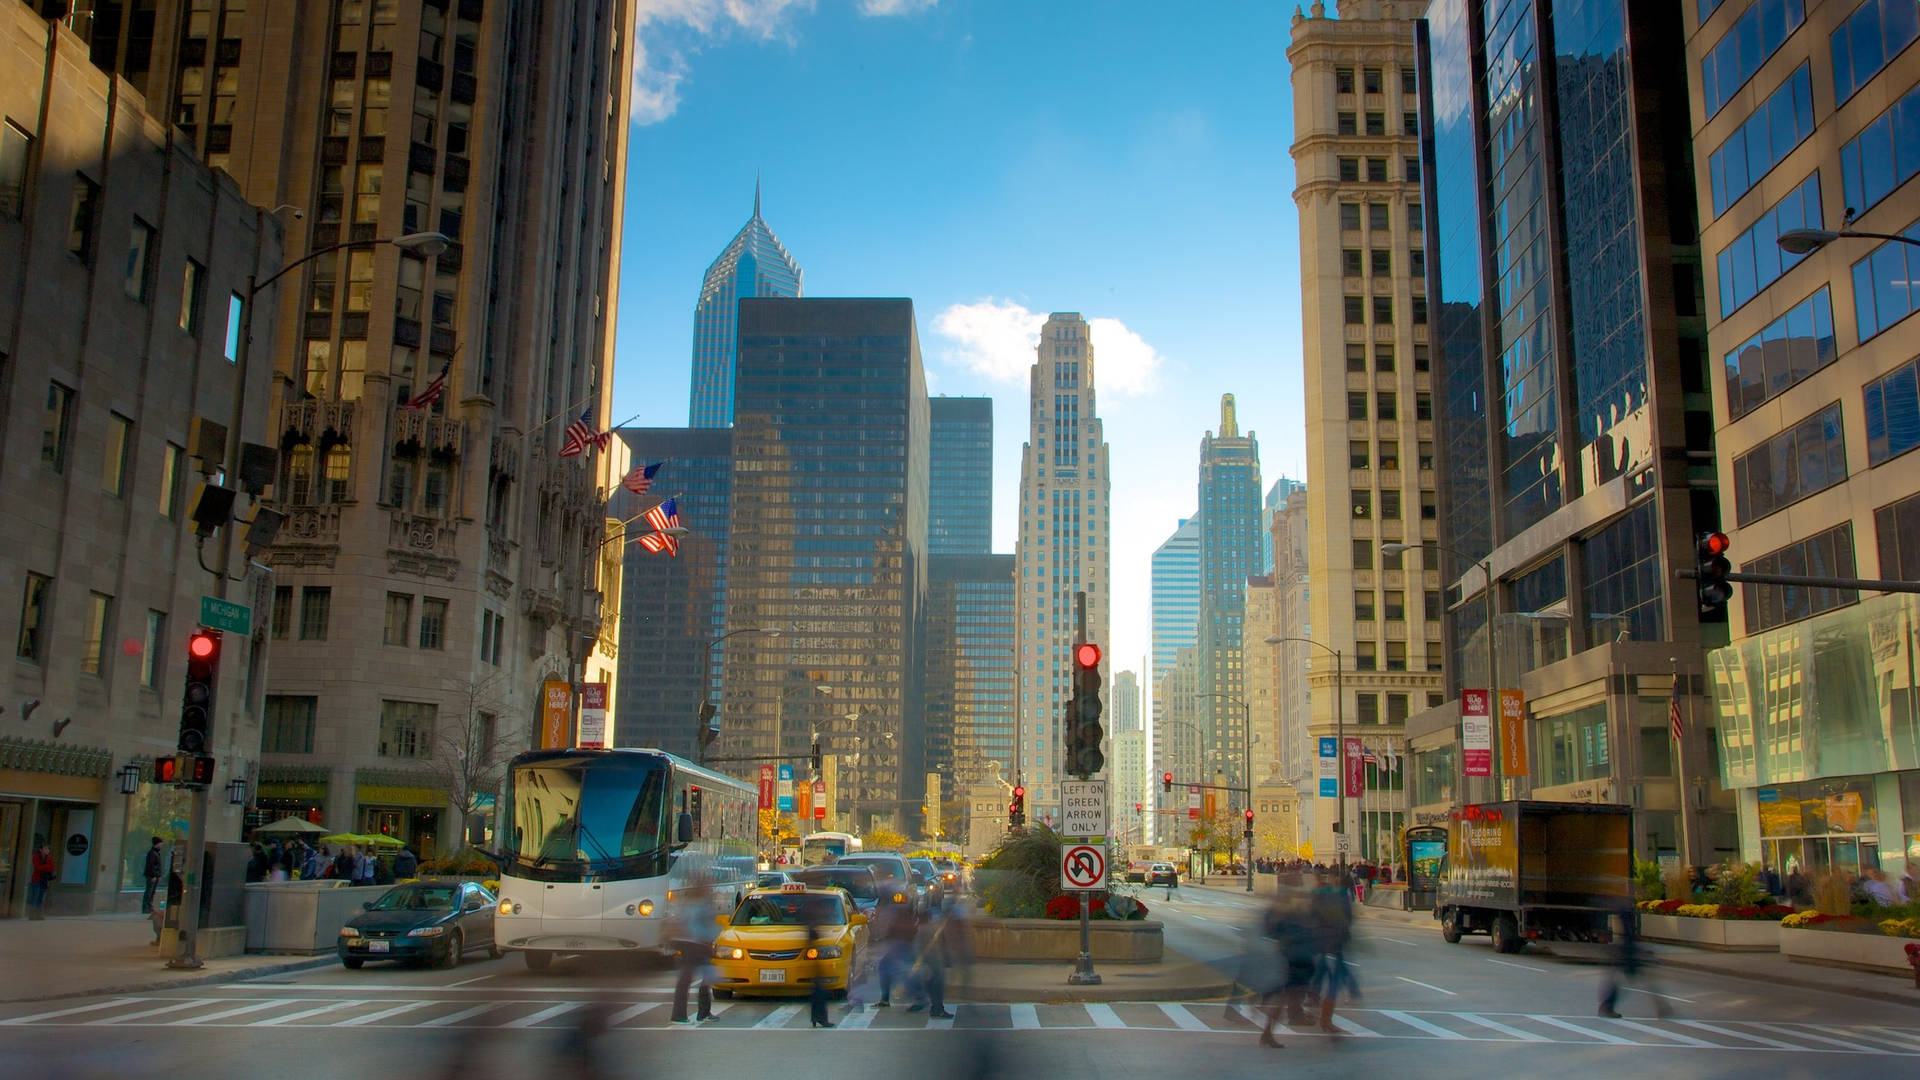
593 814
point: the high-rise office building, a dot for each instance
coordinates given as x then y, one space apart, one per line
960 495
1805 117
1276 498
1293 656
1177 743
1125 713
1126 755
754 263
673 608
438 563
1229 496
1063 547
1370 426
1574 395
1175 573
827 543
971 675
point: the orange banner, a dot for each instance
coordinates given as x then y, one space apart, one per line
1513 733
802 801
556 715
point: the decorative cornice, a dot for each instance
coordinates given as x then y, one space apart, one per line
34 755
398 778
295 774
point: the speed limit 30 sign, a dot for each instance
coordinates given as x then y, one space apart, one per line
1082 866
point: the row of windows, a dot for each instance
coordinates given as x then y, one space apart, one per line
1763 141
1884 155
1761 29
1379 263
1362 504
1376 123
1377 170
1361 454
1386 405
399 623
1378 215
1373 80
1873 35
116 459
1827 554
36 628
1808 457
1356 310
1383 358
1755 259
1789 349
1368 657
406 728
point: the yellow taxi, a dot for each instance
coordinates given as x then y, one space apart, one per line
763 948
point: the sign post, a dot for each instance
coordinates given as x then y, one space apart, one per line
593 716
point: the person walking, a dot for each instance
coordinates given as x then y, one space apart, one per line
41 879
898 928
1626 965
928 975
1332 915
694 931
817 992
1287 923
151 872
405 865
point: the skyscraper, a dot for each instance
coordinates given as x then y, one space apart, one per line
1063 547
1175 572
960 498
827 543
971 675
1229 498
1276 499
754 263
1125 713
1126 758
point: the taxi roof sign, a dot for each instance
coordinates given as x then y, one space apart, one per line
793 886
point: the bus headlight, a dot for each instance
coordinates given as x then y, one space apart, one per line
508 907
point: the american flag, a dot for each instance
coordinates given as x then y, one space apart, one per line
1673 711
641 478
1367 756
663 517
431 392
582 434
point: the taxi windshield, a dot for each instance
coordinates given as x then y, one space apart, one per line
798 909
858 883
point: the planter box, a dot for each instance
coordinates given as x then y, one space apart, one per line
1862 952
1729 935
1045 941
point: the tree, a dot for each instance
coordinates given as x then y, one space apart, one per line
882 838
469 757
776 827
1219 834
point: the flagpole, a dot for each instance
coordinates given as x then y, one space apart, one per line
1687 852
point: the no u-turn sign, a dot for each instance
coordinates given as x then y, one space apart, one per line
1082 866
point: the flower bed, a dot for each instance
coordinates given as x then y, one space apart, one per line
1681 909
1865 949
1123 908
1729 934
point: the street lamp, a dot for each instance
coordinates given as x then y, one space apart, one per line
708 711
1493 661
1802 241
1340 730
1246 769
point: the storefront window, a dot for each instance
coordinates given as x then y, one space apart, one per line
1574 746
1433 775
1821 824
155 810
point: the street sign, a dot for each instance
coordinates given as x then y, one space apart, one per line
1083 809
1343 844
218 614
1082 866
1193 803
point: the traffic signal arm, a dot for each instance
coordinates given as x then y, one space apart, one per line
1810 581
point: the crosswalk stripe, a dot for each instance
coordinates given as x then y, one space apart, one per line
1182 1017
276 1021
1415 1022
857 1021
1103 1016
1024 1017
1599 1036
1891 1038
1495 1025
1739 1034
778 1018
382 1014
547 1013
76 1010
1828 1039
1674 1035
630 1012
1352 1028
258 1006
453 1018
144 1013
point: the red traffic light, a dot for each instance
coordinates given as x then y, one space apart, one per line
1715 543
1086 654
1020 792
1249 816
1166 778
203 645
1137 807
166 770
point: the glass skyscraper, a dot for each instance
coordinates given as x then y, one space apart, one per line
960 499
1229 494
971 675
753 264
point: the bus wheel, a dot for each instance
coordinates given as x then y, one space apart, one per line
538 959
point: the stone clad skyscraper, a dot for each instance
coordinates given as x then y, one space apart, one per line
753 264
1229 553
1063 548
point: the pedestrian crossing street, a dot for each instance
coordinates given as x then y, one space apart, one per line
388 1011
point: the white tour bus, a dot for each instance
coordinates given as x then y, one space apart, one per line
816 847
593 841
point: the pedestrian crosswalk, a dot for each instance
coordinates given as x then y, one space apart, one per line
237 1009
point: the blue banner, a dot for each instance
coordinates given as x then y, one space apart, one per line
785 790
1329 768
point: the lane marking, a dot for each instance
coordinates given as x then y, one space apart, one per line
1352 1028
1495 1025
453 1018
1182 1017
857 1021
1853 1047
1429 986
1023 1017
382 1014
1395 940
1738 1034
1600 1036
630 1012
1892 1038
116 1002
1650 993
304 1013
224 1013
1522 967
1413 1021
464 982
778 1018
1687 1040
547 1013
1103 1015
144 1013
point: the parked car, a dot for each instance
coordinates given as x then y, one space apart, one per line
435 921
1162 873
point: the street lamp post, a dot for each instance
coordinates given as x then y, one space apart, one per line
1493 658
708 711
1340 730
1802 241
1246 770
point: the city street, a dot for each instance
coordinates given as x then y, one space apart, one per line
1450 1009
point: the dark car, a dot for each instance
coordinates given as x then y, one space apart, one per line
934 886
771 879
858 881
896 877
949 875
1161 873
433 921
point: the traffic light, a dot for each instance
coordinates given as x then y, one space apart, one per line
1713 568
1017 811
1139 807
1084 733
200 771
166 770
1166 783
813 757
196 706
1249 813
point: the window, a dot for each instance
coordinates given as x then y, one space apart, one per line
1376 170
399 618
1377 217
35 609
1396 708
84 218
1875 33
1808 457
337 477
1396 656
1756 146
236 317
1429 506
1356 406
1426 457
1394 605
1349 170
1422 358
1381 263
1363 554
139 251
1897 526
406 729
150 651
192 282
368 180
1417 267
14 146
1350 262
1882 290
1373 80
373 114
1743 48
287 725
1826 554
1573 747
299 485
1390 505
1410 169
1363 605
1409 84
1349 215
1357 455
433 500
1415 222
1382 310
1356 310
493 632
1347 124
1431 608
1366 657
433 623
1387 406
1362 504
1419 310
359 280
173 468
1389 455
1383 358
1885 155
1356 357
1435 662
1423 406
93 650
316 603
113 457
1893 413
282 611
1376 123
1343 80
1755 260
56 427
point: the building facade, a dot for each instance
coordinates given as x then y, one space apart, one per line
1293 657
1803 117
828 535
1229 500
119 250
1175 585
1126 755
1370 424
1275 499
1063 549
754 263
960 498
971 676
1124 715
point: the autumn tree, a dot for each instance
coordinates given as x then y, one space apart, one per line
469 758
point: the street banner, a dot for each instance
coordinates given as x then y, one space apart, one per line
556 715
766 787
593 716
1356 768
819 800
1329 768
1193 802
785 789
1209 804
1476 734
802 801
1513 733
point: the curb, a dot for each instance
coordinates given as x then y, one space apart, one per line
1874 993
239 975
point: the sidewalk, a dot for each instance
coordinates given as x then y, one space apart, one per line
1174 978
109 954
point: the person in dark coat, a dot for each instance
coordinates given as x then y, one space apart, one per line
928 975
151 872
405 864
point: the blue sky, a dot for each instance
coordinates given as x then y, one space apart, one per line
993 161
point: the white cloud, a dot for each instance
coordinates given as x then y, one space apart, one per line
997 338
667 32
894 7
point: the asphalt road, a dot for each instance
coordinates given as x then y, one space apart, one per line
1444 1010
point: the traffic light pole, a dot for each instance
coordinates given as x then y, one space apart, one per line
1813 582
1083 973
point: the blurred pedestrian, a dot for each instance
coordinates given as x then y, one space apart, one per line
580 1056
897 929
151 872
405 864
694 928
1626 966
817 937
40 879
1332 915
1288 924
928 975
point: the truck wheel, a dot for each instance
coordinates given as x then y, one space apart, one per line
1450 927
538 959
1506 935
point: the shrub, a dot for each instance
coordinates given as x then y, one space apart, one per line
1019 877
1648 884
467 862
1900 927
1738 885
1832 893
